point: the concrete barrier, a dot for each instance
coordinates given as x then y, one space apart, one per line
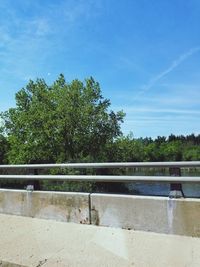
61 206
155 214
145 213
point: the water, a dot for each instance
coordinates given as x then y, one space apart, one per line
163 189
160 189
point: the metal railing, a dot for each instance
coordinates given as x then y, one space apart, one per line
177 164
174 179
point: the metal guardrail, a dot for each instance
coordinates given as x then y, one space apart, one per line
179 164
106 178
174 179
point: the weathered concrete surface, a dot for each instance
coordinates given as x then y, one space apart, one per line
156 214
10 264
35 242
62 206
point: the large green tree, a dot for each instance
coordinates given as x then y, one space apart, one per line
59 123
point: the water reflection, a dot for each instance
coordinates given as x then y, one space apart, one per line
162 189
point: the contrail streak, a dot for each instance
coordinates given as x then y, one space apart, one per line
174 64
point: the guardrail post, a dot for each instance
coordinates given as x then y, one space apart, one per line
33 184
176 190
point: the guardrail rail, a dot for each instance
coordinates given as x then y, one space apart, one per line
174 179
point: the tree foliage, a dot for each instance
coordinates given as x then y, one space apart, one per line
59 123
3 149
173 148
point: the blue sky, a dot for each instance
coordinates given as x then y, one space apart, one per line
144 53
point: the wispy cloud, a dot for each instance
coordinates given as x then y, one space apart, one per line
27 42
129 64
82 9
173 65
157 121
172 96
147 110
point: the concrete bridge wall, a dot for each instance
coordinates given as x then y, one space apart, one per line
155 214
61 206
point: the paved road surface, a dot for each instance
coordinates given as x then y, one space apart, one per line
47 243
